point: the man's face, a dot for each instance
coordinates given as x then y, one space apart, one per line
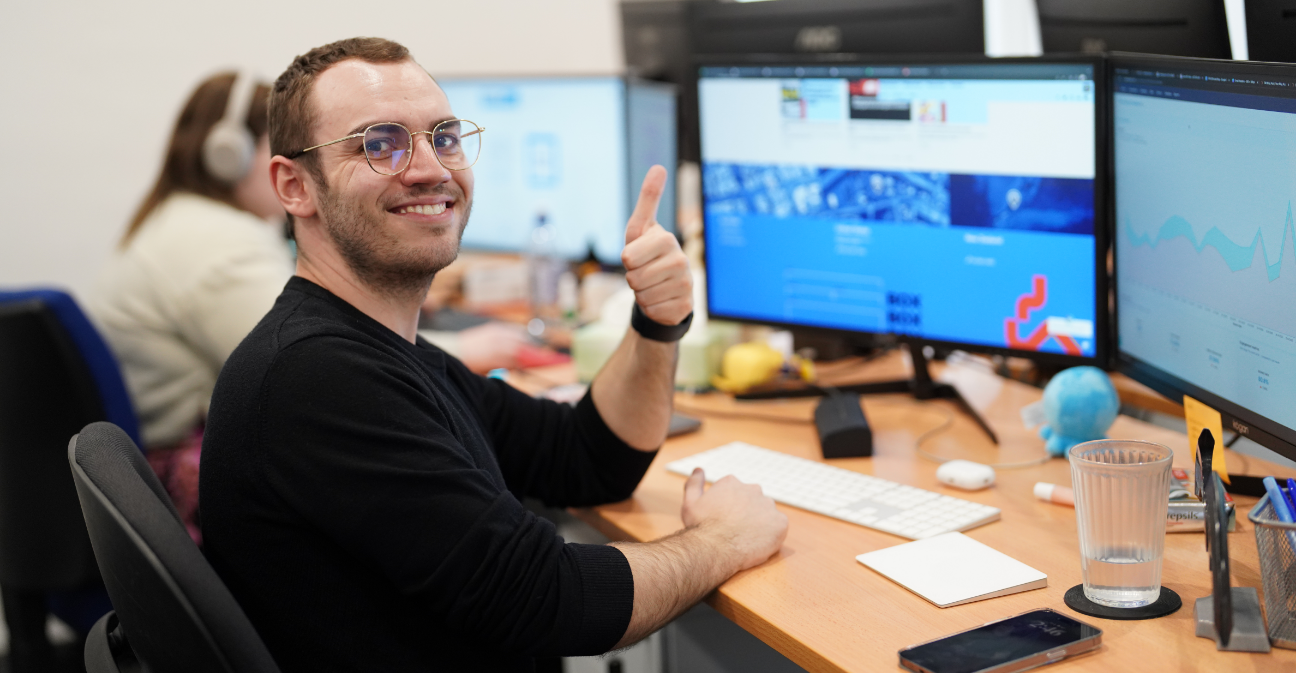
390 229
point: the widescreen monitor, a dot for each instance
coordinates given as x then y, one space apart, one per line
952 202
1271 30
1174 27
574 149
1205 176
837 26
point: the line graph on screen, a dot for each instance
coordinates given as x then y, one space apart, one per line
1235 255
1243 280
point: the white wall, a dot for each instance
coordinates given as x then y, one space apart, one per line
94 87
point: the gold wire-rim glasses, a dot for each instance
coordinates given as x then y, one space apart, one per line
410 160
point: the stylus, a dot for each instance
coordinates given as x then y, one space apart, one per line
1279 504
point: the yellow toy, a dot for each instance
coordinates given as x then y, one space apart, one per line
755 362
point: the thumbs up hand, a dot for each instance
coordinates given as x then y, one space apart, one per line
656 267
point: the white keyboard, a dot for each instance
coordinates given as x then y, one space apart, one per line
850 496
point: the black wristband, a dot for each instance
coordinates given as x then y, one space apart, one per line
651 329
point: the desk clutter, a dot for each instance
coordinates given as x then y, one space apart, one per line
1277 571
1006 236
948 569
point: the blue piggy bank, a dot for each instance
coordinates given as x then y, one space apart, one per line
1080 404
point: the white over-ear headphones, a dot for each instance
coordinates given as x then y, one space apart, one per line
229 147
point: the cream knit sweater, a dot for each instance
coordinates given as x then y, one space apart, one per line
195 279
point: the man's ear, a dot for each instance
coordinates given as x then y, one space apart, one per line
290 184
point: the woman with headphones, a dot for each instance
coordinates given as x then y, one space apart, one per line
200 264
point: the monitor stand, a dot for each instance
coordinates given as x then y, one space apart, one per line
921 386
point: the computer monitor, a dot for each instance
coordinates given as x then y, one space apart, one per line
1271 30
851 26
573 148
662 38
1205 175
1174 27
954 201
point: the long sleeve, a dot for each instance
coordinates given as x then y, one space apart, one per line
563 455
377 461
353 502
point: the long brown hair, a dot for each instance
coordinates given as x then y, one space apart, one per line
183 169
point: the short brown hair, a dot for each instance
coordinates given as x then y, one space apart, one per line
183 169
291 114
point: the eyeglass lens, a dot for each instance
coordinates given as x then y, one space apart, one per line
388 146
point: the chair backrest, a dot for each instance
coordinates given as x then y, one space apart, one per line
89 348
175 612
48 390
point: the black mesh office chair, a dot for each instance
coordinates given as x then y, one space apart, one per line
172 612
56 375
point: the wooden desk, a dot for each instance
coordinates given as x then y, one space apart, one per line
819 607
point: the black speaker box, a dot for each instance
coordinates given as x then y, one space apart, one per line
843 430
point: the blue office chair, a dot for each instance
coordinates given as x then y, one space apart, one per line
57 376
173 613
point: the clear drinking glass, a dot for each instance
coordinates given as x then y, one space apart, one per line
1121 494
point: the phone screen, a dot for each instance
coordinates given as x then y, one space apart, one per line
1014 638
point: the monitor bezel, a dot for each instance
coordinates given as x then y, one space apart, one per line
894 14
1256 427
1199 24
1103 326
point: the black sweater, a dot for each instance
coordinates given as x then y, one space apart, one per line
360 498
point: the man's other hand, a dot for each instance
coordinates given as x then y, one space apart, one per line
729 528
492 345
740 515
656 267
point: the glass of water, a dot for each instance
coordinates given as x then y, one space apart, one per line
1121 495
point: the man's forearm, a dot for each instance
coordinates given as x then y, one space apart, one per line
633 391
672 574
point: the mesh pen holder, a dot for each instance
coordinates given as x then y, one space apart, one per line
1274 541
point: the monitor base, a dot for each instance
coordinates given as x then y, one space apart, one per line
921 386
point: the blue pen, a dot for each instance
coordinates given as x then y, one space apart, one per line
1279 505
1276 500
1291 496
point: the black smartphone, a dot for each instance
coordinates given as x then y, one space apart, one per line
1014 644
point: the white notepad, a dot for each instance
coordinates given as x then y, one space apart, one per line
953 569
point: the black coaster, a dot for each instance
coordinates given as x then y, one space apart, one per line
1165 604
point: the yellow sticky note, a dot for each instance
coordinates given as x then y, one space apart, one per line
1201 417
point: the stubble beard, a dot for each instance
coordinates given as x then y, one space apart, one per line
378 259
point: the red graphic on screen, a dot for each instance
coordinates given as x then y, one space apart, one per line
1032 302
864 87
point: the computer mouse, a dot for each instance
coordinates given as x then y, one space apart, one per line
965 474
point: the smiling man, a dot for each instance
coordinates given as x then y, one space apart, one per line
360 488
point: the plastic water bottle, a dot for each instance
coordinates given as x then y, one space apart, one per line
544 268
568 299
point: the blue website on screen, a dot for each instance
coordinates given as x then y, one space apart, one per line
1205 178
952 203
